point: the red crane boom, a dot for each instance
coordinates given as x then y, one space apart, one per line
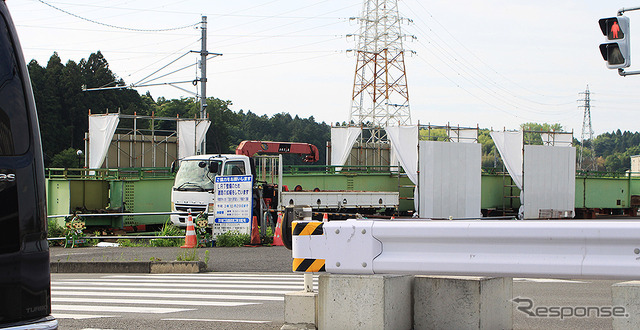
250 148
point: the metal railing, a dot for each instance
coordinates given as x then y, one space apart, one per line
108 173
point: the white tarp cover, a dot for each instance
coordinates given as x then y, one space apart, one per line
342 140
404 143
450 179
191 133
463 135
550 179
510 146
101 129
557 140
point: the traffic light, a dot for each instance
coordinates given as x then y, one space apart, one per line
616 51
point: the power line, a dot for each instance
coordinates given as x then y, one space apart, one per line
464 65
474 55
115 26
233 14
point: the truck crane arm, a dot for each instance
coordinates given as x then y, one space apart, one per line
250 148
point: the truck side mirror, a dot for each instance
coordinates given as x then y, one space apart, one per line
213 167
173 167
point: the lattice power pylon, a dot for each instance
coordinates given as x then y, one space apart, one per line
380 95
586 162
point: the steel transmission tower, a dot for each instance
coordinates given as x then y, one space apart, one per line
380 95
586 162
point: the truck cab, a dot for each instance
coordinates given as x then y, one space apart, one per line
193 187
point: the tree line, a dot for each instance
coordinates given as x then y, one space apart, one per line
63 109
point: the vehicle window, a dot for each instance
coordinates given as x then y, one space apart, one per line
14 129
193 176
234 168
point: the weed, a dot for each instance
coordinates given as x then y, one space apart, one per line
95 241
131 243
154 259
188 256
206 257
268 238
54 229
168 229
233 239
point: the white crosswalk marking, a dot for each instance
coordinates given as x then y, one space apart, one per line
105 296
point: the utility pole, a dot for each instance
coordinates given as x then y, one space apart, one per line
203 80
587 134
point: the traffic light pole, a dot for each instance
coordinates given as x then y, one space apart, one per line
621 71
627 73
622 10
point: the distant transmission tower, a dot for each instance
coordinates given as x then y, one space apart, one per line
380 95
586 162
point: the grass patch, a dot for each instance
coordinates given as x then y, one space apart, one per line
233 238
188 255
55 230
168 229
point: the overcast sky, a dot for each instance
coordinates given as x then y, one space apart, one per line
492 63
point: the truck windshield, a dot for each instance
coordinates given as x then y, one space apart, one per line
194 175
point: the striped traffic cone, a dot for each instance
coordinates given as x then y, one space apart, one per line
277 237
255 235
190 241
325 218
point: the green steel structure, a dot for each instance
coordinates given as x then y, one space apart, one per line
149 190
135 190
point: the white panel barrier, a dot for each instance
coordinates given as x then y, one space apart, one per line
549 182
450 176
560 249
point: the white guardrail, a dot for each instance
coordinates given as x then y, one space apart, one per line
533 248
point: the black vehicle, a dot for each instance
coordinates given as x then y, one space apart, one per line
25 282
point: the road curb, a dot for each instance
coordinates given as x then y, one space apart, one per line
145 267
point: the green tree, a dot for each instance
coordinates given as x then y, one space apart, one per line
67 158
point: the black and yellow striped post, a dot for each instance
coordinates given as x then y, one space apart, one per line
299 230
303 228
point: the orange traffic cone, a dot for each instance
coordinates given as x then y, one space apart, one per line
277 237
325 218
190 241
255 235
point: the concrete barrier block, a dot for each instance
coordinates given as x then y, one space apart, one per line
177 267
300 309
627 295
102 267
364 302
462 302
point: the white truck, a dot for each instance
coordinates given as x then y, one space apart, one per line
231 191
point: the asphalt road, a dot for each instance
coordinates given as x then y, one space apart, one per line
262 262
166 301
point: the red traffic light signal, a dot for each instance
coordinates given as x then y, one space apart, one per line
610 27
616 51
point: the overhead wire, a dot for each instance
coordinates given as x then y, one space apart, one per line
232 14
464 65
446 30
115 26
